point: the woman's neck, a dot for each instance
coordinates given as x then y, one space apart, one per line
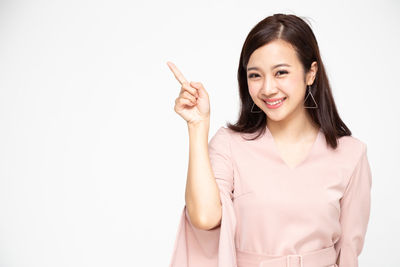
298 129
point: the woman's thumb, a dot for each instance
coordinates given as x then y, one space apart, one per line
199 87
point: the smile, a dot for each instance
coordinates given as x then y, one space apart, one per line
275 103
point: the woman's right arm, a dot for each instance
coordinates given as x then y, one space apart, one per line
202 193
202 197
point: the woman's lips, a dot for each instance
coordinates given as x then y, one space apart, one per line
276 105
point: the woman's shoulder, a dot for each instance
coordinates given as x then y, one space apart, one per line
224 131
351 147
221 137
351 142
234 136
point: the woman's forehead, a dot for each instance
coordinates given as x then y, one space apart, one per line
274 53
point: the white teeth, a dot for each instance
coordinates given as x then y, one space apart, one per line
274 103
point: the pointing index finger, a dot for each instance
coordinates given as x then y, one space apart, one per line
178 75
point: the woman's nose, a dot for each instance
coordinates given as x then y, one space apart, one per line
269 87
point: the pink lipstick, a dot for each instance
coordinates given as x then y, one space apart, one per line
274 102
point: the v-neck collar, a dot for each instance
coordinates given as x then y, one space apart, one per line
269 135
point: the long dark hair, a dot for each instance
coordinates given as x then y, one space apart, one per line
297 32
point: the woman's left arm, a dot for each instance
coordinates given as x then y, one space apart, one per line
355 212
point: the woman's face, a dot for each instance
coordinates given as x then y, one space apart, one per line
274 72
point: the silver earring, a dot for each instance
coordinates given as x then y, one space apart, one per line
309 93
252 109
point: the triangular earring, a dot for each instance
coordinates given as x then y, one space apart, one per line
312 97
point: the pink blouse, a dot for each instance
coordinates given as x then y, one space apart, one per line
272 212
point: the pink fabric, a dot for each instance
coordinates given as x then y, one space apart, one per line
270 208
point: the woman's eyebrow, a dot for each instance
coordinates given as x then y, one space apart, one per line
273 67
280 65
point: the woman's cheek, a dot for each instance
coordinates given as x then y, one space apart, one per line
252 89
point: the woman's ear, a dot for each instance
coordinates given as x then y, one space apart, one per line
312 73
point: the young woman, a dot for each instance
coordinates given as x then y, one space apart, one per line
286 185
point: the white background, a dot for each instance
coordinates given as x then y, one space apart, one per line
93 158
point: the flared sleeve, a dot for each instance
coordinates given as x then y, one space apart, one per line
195 247
355 212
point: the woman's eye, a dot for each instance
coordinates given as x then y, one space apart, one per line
252 75
278 73
282 71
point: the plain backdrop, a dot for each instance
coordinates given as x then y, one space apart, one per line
93 158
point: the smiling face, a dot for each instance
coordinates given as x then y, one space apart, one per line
274 72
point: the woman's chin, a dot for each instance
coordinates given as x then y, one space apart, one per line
276 116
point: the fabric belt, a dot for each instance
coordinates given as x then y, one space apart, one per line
319 258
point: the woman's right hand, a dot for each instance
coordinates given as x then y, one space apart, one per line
193 103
